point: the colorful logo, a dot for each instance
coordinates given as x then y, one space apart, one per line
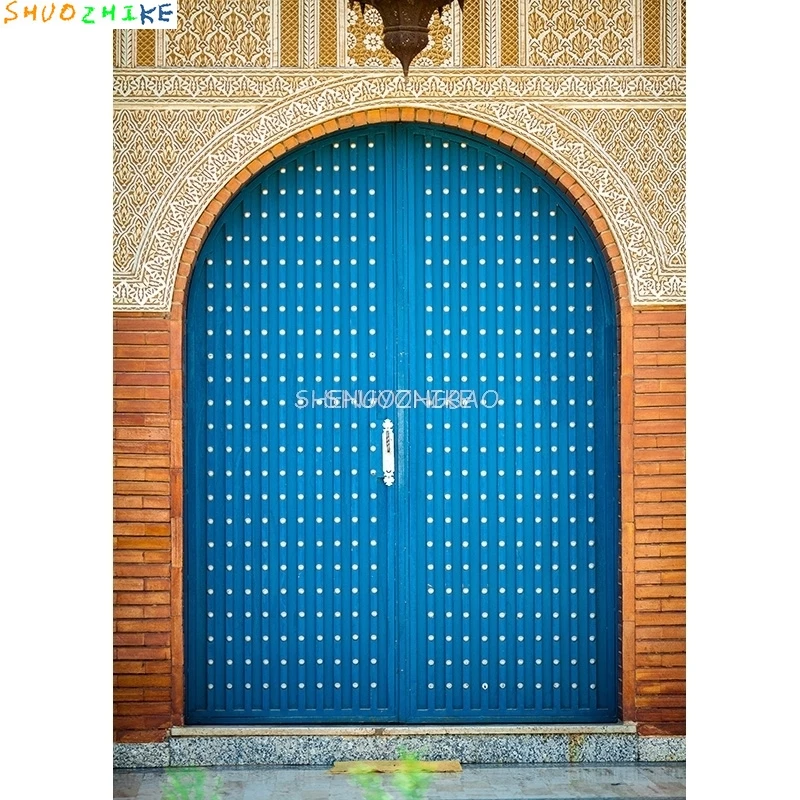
134 15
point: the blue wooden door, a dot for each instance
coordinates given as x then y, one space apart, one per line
411 276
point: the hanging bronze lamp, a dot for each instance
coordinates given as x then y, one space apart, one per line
406 25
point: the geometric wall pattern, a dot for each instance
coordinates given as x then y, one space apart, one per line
491 33
579 32
652 50
649 145
195 104
151 147
365 40
216 33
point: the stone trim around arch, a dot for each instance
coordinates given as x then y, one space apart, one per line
625 322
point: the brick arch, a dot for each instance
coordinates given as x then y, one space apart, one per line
520 147
594 218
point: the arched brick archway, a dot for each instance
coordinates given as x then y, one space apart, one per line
522 148
529 153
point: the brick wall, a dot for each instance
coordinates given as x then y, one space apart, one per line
148 685
659 493
143 682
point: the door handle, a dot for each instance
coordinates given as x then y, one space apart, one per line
387 448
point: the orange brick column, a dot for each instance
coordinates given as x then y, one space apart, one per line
659 493
143 579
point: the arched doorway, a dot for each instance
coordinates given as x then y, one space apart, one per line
420 277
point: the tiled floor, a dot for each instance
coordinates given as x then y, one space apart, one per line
566 781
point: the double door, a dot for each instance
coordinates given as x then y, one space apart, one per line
401 472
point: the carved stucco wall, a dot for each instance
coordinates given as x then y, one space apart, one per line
579 32
222 34
182 132
364 40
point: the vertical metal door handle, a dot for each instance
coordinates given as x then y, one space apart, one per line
387 448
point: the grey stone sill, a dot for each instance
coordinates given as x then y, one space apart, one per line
312 746
403 730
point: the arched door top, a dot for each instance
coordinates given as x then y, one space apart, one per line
185 213
422 282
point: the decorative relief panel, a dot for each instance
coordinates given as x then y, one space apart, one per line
509 32
201 88
216 33
328 33
652 29
579 32
364 40
152 150
674 30
471 35
649 144
146 48
171 162
309 27
123 48
491 32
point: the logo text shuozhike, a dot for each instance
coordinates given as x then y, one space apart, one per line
134 15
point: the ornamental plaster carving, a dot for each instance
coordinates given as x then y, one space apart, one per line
309 33
152 149
123 48
579 32
649 145
219 33
490 23
364 40
641 247
230 87
170 161
674 25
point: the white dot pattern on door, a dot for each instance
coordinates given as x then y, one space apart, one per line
303 290
292 289
504 260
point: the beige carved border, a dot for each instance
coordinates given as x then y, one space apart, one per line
148 283
199 87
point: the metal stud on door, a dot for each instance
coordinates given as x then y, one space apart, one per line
355 557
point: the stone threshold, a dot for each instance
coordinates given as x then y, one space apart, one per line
403 730
317 746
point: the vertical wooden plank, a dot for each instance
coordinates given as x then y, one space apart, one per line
176 622
177 695
628 671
